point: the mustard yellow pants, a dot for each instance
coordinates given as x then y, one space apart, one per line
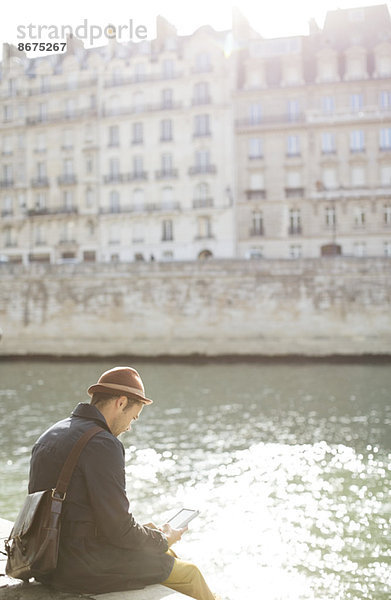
187 579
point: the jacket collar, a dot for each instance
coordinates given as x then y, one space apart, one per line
87 411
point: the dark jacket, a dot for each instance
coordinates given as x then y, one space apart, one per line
102 547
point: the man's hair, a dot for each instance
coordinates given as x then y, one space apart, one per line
102 398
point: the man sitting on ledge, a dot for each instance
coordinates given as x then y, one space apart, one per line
102 547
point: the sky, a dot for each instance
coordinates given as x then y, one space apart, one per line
276 18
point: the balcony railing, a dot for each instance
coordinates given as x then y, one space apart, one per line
256 231
125 177
203 203
140 78
6 183
166 174
201 100
268 120
294 192
202 169
7 212
66 179
40 182
255 194
295 230
61 116
58 210
62 87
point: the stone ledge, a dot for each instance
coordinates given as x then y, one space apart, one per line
13 589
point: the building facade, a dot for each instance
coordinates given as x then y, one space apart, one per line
218 144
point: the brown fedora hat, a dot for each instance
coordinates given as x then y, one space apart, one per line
121 379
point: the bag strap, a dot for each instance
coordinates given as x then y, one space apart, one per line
66 472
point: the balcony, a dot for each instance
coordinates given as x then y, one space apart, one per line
202 170
7 212
269 121
6 183
58 210
141 78
294 230
61 116
294 192
67 179
256 231
203 203
202 69
202 133
166 174
255 194
125 177
367 113
201 100
62 87
40 182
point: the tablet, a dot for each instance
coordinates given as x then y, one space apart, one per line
183 518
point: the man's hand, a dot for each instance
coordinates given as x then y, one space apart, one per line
172 535
151 526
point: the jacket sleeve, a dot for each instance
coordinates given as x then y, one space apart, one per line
103 467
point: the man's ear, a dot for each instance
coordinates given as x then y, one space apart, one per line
121 401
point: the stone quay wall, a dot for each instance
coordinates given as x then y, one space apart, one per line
309 307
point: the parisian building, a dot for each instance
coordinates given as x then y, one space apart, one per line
216 144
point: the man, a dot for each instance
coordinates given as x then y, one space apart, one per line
102 547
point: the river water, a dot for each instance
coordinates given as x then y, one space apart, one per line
289 465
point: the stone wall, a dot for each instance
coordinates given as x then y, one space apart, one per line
308 307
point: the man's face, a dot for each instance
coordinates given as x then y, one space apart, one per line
123 420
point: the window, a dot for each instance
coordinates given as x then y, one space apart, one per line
387 214
138 199
166 162
7 174
114 238
202 158
359 217
89 164
168 68
67 138
166 130
257 181
328 104
202 62
255 149
42 111
330 216
67 200
40 201
167 98
138 102
385 100
140 72
255 113
89 198
201 125
68 167
387 248
295 251
7 144
356 102
293 110
7 112
39 236
385 138
45 83
201 192
294 220
257 223
329 178
385 175
357 176
201 93
7 206
359 249
138 166
137 133
114 167
357 141
70 107
328 143
204 227
41 170
114 135
167 230
293 179
114 201
293 145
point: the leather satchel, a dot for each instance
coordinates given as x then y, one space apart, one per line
32 547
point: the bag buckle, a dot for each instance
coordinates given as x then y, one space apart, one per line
60 497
